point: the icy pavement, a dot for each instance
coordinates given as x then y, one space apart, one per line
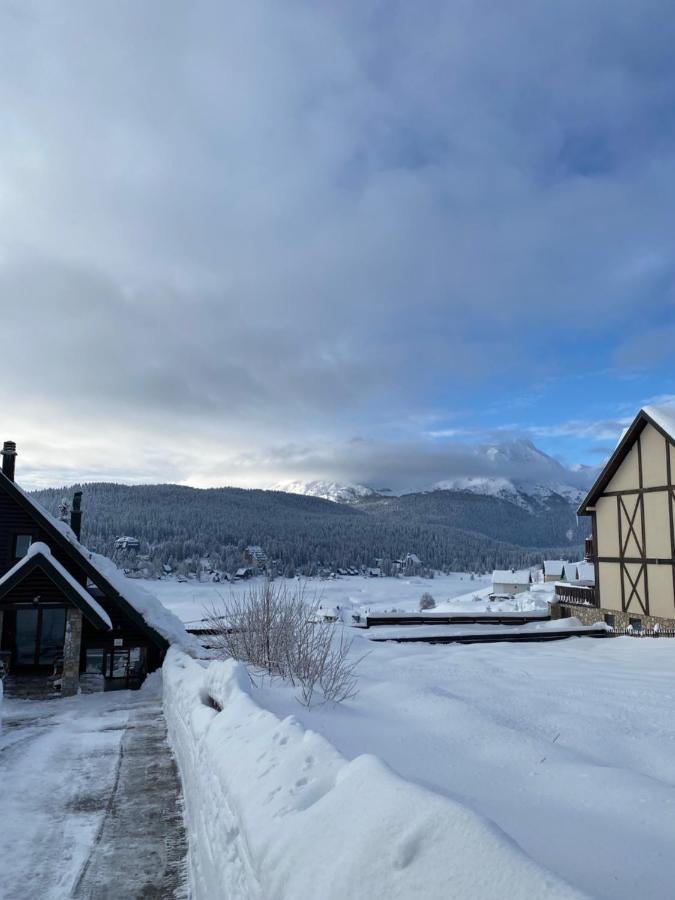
90 805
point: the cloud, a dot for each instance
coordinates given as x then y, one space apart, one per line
235 226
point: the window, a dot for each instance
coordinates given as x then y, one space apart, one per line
636 624
22 544
95 662
610 619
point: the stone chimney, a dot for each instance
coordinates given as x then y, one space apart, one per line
76 514
8 459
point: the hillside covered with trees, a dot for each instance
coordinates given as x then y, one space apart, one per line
448 530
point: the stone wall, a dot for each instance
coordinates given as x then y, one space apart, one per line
70 681
589 615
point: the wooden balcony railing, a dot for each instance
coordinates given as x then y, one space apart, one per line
581 595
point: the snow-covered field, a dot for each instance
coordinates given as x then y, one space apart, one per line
189 600
567 748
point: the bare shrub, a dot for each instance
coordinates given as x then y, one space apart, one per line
276 629
427 601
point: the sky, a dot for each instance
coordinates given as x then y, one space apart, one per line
249 242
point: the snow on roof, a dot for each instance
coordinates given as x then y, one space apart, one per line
585 571
509 576
153 611
149 607
570 571
39 548
554 567
664 416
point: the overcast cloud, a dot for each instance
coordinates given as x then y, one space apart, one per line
234 237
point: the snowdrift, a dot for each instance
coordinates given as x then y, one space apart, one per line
274 812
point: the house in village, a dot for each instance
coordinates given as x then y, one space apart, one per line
632 549
255 556
554 569
509 582
66 612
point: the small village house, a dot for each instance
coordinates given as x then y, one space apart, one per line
554 569
254 555
632 512
64 611
511 581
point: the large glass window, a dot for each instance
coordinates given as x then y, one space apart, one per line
52 634
95 662
26 636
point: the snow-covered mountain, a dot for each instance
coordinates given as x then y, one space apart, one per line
327 490
515 471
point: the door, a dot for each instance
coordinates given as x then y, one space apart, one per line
38 638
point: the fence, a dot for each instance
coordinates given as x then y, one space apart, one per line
644 632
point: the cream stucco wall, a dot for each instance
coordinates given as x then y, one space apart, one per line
627 477
657 524
653 445
610 585
660 591
607 526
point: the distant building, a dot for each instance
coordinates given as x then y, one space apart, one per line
511 581
127 543
554 569
255 556
244 573
632 507
570 572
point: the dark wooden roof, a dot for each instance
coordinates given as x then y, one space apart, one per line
623 448
46 564
78 554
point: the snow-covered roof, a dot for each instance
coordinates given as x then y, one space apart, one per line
38 549
585 571
570 571
509 576
554 567
151 610
664 416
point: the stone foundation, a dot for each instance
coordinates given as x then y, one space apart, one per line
589 615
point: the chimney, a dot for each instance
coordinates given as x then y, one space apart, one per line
76 514
8 459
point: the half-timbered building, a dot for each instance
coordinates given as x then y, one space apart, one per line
66 612
632 510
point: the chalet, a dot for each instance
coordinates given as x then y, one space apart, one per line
570 572
127 543
632 511
510 581
66 612
554 569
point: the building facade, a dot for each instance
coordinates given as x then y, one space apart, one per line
61 615
632 511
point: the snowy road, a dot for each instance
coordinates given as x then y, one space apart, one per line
90 801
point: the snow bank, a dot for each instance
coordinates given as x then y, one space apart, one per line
274 812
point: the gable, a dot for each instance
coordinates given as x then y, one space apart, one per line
622 473
627 476
61 540
38 577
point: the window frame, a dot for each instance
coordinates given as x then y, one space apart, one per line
15 544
